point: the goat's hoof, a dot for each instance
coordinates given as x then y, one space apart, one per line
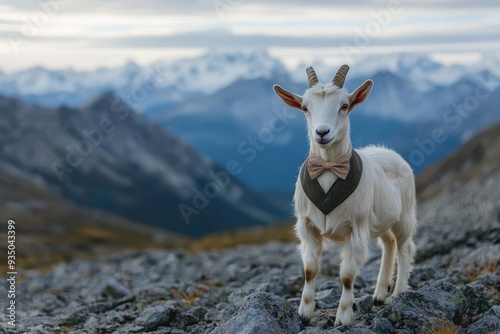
378 302
305 321
345 317
306 311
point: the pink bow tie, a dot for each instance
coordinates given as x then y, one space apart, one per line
339 166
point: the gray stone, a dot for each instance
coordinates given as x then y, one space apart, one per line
183 320
149 293
279 289
110 287
314 330
489 323
421 276
438 301
447 297
383 326
328 298
153 317
364 304
489 280
476 303
262 313
48 303
358 331
198 311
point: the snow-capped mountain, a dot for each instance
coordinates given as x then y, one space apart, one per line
215 70
143 88
423 72
158 86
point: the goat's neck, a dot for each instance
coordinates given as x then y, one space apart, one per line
334 150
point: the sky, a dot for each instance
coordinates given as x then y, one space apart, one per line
89 34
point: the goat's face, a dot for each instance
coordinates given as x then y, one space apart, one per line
326 107
326 110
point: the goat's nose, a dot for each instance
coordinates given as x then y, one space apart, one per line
322 132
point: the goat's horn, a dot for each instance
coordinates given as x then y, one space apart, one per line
339 78
311 76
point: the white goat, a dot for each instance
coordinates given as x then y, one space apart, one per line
382 206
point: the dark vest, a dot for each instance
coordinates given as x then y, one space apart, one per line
338 192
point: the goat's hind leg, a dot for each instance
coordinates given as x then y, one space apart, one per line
405 260
406 249
311 248
386 267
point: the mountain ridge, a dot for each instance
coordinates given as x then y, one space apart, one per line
106 156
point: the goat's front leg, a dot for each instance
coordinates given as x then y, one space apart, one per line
311 247
353 256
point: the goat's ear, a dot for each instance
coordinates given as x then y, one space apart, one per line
290 99
360 94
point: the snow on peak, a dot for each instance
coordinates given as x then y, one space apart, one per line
218 69
420 69
178 79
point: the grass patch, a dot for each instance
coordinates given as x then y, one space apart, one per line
445 328
187 298
255 236
479 268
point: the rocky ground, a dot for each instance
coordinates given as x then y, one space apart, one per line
256 289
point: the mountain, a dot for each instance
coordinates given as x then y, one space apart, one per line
155 87
143 87
104 155
465 184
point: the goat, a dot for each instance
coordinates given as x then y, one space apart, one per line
383 205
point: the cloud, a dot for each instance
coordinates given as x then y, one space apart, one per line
131 29
225 38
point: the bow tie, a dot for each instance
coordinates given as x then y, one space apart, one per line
339 166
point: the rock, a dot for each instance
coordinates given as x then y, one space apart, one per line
111 288
421 276
359 331
314 331
183 320
365 303
489 280
149 293
153 317
198 312
489 323
39 330
48 303
383 326
448 297
262 313
439 301
279 289
323 319
476 304
328 298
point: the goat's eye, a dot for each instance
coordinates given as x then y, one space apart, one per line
344 107
304 108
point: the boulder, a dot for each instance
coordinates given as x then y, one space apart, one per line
262 313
